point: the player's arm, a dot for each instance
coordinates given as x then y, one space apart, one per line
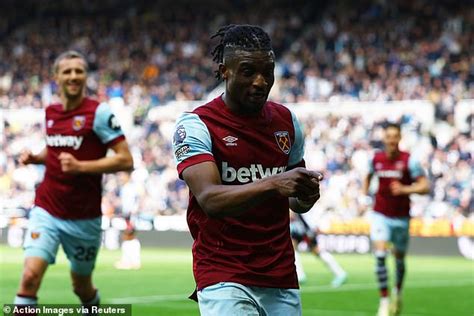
366 183
365 200
305 202
121 161
27 157
420 186
219 200
368 177
302 204
108 129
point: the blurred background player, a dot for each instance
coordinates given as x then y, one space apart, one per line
131 250
67 209
301 231
242 158
399 174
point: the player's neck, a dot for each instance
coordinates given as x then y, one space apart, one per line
229 104
234 108
392 154
70 104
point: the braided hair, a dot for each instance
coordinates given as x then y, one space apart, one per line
242 37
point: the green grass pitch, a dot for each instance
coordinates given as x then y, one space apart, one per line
434 285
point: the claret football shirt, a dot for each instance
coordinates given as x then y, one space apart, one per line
255 248
86 132
403 168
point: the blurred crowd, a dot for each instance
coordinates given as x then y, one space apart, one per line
400 50
155 53
147 55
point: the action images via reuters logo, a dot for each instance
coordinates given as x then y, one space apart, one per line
67 309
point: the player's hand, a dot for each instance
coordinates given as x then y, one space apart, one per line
26 157
300 183
312 198
69 164
396 188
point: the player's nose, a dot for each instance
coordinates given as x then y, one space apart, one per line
260 81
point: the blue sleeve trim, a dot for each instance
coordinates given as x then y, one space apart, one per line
297 150
371 165
106 125
415 168
191 137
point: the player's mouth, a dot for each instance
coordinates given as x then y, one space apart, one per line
74 86
258 96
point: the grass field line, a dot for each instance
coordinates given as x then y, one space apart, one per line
367 286
304 289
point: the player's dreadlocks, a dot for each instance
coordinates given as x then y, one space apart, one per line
243 37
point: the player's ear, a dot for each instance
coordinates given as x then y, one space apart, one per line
223 71
55 76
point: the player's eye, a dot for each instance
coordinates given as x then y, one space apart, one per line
268 73
248 72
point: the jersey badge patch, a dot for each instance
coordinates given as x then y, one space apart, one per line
283 141
114 123
179 135
78 122
399 165
181 151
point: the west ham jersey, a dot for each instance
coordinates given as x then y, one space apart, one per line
85 132
254 249
402 168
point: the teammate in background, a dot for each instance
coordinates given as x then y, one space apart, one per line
242 158
131 250
399 175
67 209
300 231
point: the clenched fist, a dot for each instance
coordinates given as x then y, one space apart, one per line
69 164
300 183
27 157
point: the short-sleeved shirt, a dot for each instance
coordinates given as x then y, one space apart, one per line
85 132
403 168
254 248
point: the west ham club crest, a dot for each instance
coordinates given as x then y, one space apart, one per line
78 122
283 141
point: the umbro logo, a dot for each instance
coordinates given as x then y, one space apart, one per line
230 140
